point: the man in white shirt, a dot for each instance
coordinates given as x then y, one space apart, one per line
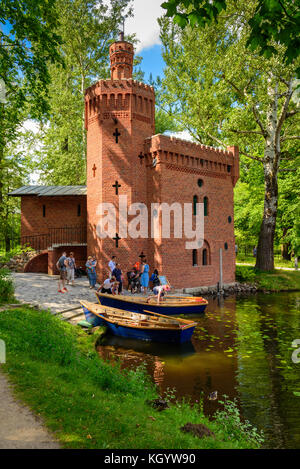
108 286
112 265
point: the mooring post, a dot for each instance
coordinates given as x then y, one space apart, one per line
221 270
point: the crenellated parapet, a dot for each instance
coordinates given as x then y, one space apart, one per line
187 156
119 98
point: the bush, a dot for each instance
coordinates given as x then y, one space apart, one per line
6 286
244 273
6 256
229 419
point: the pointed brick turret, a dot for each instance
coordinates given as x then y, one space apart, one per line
121 59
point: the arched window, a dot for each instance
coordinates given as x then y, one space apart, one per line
200 182
195 201
205 201
204 257
195 262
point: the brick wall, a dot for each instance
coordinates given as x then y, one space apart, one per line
59 212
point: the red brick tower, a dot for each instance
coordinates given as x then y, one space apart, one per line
119 117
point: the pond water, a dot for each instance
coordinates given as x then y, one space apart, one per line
242 347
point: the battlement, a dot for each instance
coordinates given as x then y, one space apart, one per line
128 98
121 85
181 153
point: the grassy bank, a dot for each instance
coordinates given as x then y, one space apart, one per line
88 403
275 281
278 260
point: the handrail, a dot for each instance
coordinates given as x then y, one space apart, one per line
62 235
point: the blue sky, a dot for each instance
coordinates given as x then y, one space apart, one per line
152 61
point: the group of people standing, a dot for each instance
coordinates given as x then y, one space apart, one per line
138 277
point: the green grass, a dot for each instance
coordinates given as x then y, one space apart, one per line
275 281
278 261
89 403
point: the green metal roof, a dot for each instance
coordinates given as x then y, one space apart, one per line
49 191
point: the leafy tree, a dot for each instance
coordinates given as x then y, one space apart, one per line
27 44
87 29
165 121
220 90
272 20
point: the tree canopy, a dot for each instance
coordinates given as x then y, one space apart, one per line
271 21
225 93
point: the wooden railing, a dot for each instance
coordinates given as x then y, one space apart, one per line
69 235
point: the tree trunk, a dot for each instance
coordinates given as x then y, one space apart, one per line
265 248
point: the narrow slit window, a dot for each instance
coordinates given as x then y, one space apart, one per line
205 201
79 210
44 210
204 257
195 201
195 263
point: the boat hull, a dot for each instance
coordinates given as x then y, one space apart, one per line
166 336
170 310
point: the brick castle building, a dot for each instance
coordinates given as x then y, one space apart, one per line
125 157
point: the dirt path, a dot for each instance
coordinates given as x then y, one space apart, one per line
19 427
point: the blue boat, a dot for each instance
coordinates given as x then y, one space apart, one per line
143 326
171 305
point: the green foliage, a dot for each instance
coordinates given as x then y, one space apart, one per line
164 122
7 255
6 286
271 21
229 418
244 273
29 45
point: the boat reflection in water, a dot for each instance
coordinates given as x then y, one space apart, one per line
133 353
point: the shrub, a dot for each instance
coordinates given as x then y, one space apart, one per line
244 273
6 256
6 286
229 419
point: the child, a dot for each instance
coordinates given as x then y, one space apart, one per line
155 279
160 292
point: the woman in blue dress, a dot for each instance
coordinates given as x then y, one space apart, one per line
145 276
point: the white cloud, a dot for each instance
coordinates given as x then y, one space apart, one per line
183 135
144 22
